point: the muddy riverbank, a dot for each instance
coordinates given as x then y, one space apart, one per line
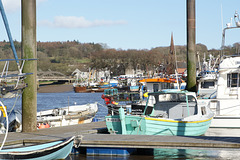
55 88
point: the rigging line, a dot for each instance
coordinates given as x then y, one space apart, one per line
14 103
4 68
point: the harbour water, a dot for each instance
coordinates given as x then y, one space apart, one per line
47 101
57 100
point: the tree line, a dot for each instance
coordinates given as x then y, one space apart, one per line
65 57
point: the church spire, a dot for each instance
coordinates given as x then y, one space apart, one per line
172 45
171 58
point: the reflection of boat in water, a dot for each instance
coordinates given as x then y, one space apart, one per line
70 115
34 150
173 112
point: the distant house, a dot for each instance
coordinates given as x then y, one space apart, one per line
133 72
84 75
80 75
182 68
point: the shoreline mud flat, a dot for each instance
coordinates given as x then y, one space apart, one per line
55 88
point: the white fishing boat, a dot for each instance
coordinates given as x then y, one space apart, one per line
207 79
207 85
226 105
76 114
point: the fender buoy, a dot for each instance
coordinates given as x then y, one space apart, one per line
103 96
145 94
43 125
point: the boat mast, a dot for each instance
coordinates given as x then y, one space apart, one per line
4 17
229 26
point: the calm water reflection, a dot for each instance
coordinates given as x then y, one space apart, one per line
57 100
165 154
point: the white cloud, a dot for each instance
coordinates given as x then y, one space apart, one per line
15 5
77 22
11 5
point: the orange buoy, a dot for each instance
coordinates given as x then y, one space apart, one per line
43 125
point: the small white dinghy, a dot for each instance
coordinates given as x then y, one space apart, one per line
76 114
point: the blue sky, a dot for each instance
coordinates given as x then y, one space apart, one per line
125 24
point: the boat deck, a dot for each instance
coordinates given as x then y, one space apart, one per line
90 138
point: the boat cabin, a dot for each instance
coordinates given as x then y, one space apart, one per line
173 105
229 78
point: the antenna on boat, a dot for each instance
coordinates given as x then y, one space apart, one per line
236 18
222 16
176 70
229 26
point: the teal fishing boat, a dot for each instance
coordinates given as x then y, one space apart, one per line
169 112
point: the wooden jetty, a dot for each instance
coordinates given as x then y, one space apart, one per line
94 135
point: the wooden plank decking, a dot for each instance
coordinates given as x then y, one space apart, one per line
90 138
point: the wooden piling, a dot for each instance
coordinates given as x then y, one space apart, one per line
191 47
29 50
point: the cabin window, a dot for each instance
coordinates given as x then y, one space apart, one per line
155 87
191 98
165 85
172 97
207 84
151 100
233 80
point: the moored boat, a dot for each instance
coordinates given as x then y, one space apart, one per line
226 105
76 114
81 89
174 112
51 150
207 85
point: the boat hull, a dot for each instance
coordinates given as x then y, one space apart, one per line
71 115
81 89
137 125
52 150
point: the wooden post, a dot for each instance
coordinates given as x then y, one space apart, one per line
29 50
191 48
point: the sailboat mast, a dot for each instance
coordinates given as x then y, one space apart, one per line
4 17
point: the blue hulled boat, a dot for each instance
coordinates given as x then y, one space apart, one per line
52 150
